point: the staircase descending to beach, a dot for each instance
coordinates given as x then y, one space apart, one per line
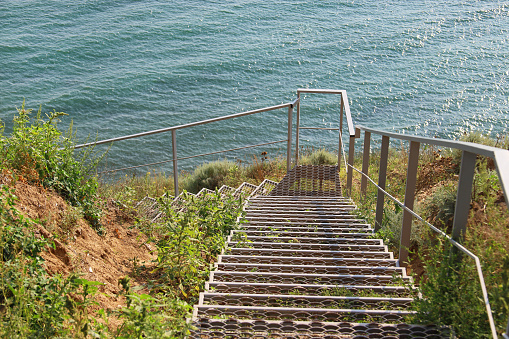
305 266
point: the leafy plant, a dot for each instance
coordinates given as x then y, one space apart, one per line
451 293
439 207
320 157
208 175
190 239
34 304
38 152
147 316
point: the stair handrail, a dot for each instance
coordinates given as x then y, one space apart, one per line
344 109
173 129
463 197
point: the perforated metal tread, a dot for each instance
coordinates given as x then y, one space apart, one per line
276 260
305 267
310 180
308 289
301 234
341 302
282 238
310 269
265 329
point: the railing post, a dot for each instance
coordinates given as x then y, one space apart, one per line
340 147
297 122
365 162
289 148
351 154
463 196
382 178
506 334
411 181
175 168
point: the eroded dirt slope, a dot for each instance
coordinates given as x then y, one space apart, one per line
78 247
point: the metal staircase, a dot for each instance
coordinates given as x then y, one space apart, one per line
304 266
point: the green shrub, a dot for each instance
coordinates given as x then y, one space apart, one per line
39 153
34 304
451 293
392 221
439 207
190 240
149 317
320 157
209 175
475 137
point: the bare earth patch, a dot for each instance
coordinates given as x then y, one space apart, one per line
78 247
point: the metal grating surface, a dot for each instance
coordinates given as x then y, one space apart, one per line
264 188
245 190
263 329
306 301
148 207
303 266
226 190
310 180
304 289
204 192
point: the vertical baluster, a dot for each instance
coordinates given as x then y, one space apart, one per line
382 178
351 155
365 163
340 147
175 168
462 208
411 181
289 147
297 122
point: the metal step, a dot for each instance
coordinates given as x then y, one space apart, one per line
308 253
314 269
296 223
300 207
298 212
264 188
305 278
304 219
306 240
275 260
305 246
290 233
310 301
322 228
306 289
286 198
244 190
286 329
307 314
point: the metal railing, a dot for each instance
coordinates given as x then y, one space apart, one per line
344 110
467 169
463 196
174 129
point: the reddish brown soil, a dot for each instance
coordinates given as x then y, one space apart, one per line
78 247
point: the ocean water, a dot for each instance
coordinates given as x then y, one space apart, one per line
434 68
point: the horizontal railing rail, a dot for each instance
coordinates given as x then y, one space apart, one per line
470 151
463 196
174 129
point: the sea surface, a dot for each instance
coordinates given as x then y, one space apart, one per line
433 68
